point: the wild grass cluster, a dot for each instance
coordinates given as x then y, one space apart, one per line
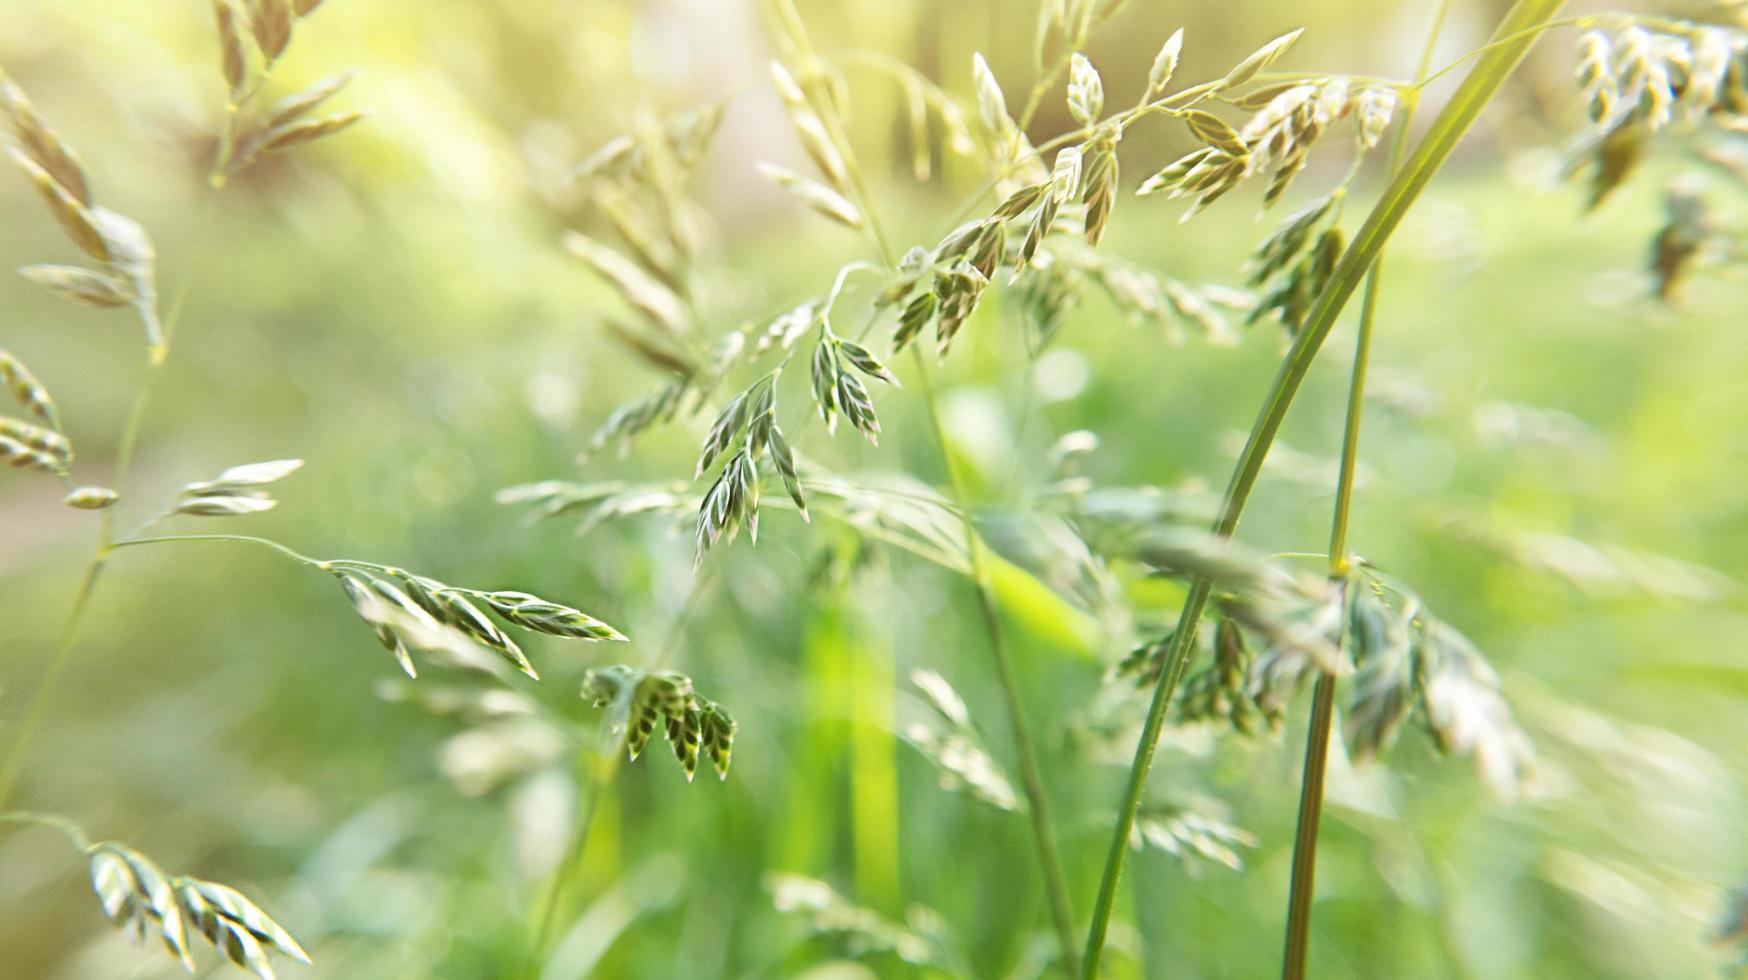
1222 639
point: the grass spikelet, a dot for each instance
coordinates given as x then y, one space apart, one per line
270 24
642 292
1191 831
921 941
41 145
92 498
641 703
145 902
25 389
38 438
72 214
236 491
20 456
947 738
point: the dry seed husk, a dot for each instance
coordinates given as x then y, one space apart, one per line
811 129
247 475
1173 173
815 195
1052 34
299 104
133 263
642 236
38 438
41 144
226 506
209 902
17 379
233 57
639 290
69 212
92 498
20 456
284 137
270 22
86 287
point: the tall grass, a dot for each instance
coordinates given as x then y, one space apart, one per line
1031 236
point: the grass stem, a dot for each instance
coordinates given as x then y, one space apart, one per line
1476 91
12 766
1303 885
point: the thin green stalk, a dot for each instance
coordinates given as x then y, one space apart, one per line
45 690
11 768
602 768
245 538
1304 879
73 832
1453 122
1037 806
1298 939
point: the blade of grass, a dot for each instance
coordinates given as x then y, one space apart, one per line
1489 73
1303 885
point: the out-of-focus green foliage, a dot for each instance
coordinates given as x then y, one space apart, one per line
1552 457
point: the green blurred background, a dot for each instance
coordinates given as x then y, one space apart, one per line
392 306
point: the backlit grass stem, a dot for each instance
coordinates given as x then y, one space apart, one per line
1483 81
1303 886
13 765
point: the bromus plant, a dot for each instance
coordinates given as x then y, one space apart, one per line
1307 271
1137 606
405 610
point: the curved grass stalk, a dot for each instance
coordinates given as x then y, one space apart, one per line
74 833
1515 35
1037 804
12 767
1303 886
